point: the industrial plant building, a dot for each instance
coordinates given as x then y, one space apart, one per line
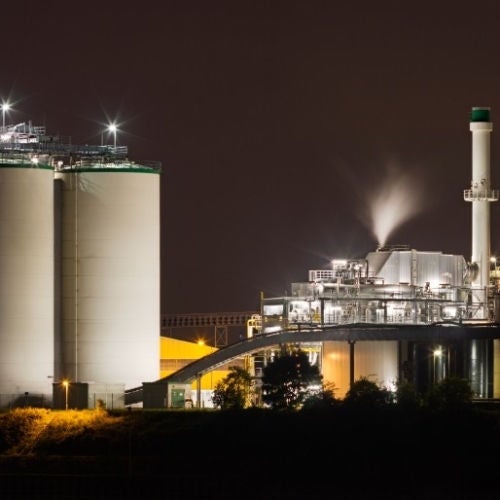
80 293
396 288
175 354
398 314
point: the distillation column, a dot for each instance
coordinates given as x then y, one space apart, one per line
480 194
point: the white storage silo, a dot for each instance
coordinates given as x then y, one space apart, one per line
110 273
26 280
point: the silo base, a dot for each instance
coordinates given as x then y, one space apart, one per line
81 396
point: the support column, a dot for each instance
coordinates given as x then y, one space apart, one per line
351 362
198 390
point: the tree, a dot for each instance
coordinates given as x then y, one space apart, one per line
367 394
234 392
289 380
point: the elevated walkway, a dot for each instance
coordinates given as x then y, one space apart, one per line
439 332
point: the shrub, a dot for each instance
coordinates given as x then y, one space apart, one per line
450 394
407 396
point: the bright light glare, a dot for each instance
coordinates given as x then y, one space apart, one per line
272 329
391 386
438 352
449 311
273 309
5 107
336 263
113 129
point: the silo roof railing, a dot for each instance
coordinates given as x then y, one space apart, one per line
110 164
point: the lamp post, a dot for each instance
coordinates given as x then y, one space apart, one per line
113 129
5 108
65 383
438 360
199 403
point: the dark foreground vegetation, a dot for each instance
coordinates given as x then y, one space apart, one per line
386 452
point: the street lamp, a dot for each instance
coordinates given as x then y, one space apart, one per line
5 108
438 362
113 129
65 383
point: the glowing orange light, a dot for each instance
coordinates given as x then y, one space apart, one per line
65 384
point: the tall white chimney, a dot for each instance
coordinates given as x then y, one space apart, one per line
480 194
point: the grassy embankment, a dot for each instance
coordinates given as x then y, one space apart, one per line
209 452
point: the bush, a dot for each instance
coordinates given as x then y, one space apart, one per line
407 396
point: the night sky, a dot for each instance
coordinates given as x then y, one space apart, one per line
278 124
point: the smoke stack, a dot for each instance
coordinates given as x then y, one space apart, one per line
480 194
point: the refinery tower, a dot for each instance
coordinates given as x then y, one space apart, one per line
79 267
420 315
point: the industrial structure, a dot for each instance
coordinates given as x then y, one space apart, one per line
217 328
80 291
396 285
397 314
79 268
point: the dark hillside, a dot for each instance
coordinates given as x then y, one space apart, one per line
385 453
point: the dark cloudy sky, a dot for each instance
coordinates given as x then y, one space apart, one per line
278 123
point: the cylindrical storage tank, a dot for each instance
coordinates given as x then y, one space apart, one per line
26 281
110 273
375 360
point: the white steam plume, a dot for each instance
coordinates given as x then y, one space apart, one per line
398 199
